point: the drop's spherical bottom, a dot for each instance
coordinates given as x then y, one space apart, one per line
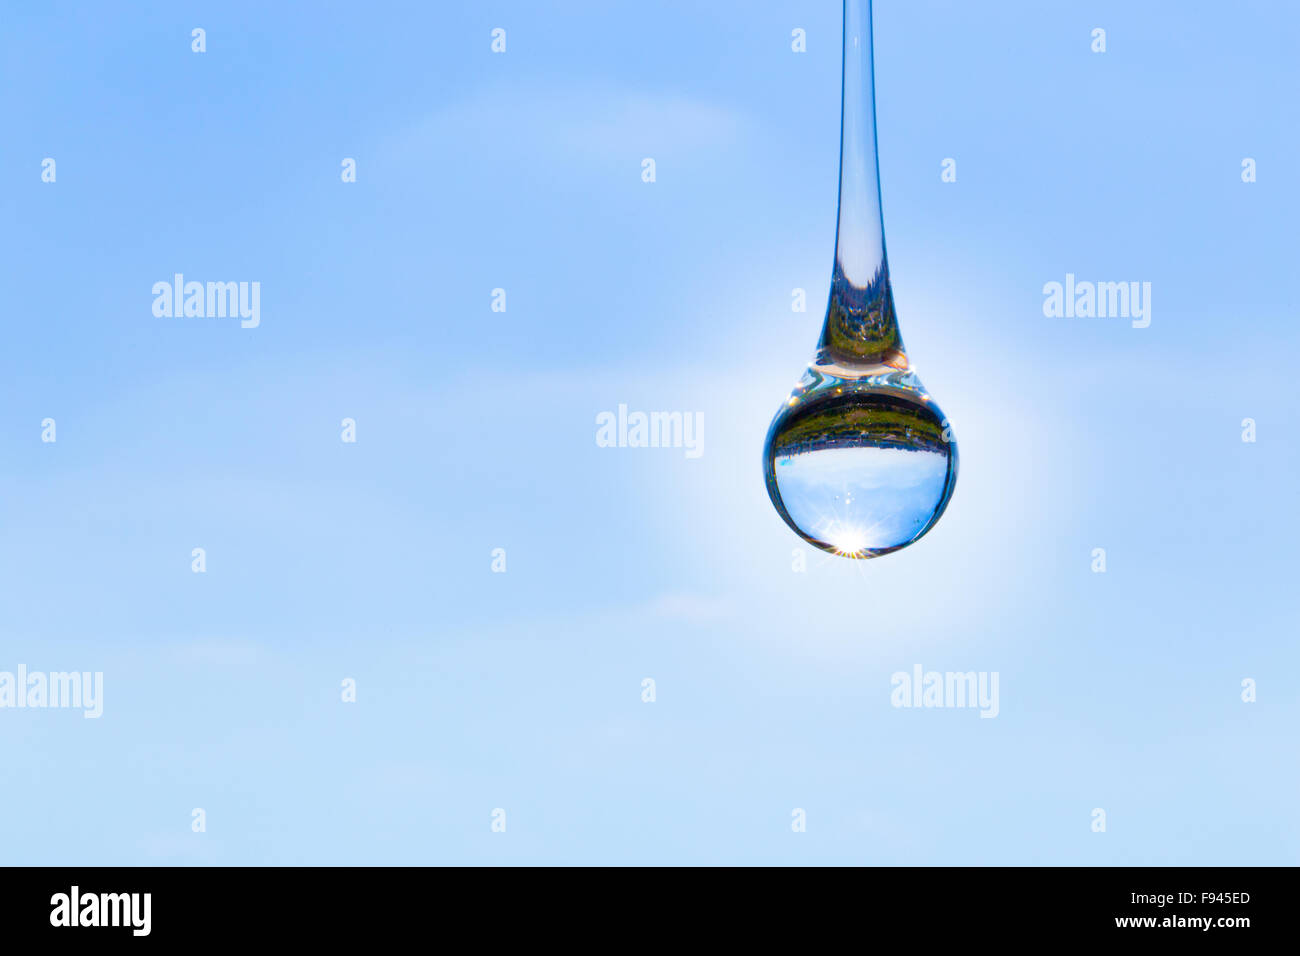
860 470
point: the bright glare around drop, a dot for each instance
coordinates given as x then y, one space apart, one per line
847 540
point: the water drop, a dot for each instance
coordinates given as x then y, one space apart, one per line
859 460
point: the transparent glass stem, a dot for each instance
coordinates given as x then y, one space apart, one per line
861 330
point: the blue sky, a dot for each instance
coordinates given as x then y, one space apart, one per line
475 430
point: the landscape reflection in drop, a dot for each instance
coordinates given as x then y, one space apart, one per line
860 471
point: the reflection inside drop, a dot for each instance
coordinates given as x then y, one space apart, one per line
860 470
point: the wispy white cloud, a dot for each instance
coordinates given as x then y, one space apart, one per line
692 608
221 652
573 123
